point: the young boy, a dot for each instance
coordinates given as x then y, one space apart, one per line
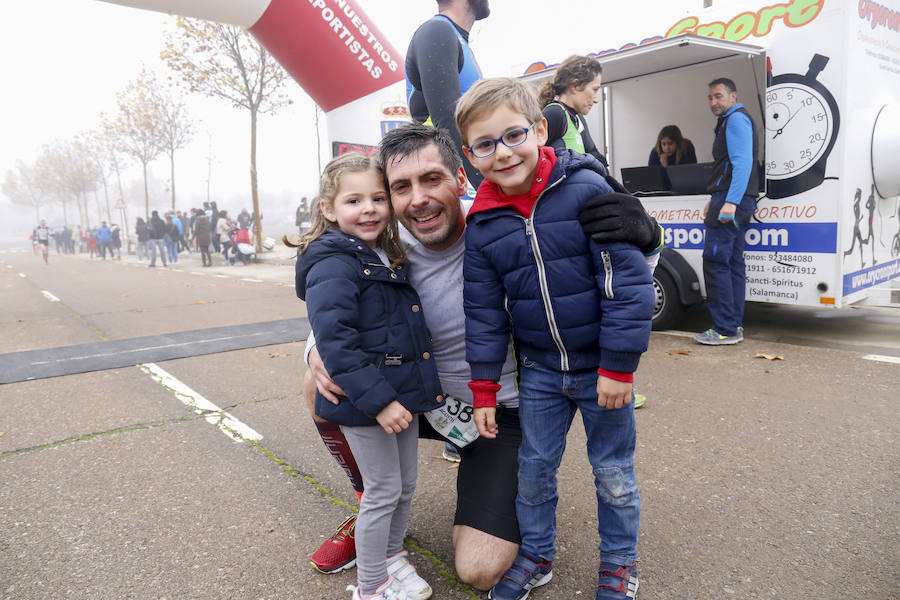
572 305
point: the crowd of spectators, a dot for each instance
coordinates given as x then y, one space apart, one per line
207 230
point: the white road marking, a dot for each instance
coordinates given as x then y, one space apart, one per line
226 422
882 358
177 270
49 296
22 275
251 280
221 276
197 273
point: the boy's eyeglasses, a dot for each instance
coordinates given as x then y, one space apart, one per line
510 138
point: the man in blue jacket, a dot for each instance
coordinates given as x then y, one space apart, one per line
104 236
734 184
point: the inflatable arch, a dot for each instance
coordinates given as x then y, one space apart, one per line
332 50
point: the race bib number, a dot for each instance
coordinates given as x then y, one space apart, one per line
454 420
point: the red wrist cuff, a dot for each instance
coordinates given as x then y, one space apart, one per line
484 393
626 377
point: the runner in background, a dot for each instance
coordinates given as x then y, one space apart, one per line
440 67
42 232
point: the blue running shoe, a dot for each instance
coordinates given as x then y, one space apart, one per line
711 337
616 582
524 575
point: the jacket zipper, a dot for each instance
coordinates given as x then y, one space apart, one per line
608 269
542 279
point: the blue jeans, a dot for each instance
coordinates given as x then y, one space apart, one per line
548 400
723 264
154 246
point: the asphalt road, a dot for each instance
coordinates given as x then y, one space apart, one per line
759 478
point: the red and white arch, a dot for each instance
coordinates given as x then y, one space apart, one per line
330 47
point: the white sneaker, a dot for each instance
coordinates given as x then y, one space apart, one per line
399 567
391 590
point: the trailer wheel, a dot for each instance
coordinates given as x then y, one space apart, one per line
667 307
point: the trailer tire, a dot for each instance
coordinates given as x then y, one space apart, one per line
667 306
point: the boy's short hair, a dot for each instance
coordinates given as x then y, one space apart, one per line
488 94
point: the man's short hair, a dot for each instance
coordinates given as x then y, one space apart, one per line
729 84
486 95
409 139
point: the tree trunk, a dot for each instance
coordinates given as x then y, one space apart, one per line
122 200
172 164
257 226
99 208
106 196
146 195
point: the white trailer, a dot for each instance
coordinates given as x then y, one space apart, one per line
822 81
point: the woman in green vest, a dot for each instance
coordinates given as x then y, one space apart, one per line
567 99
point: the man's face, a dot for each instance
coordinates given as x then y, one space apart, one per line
720 99
425 196
480 9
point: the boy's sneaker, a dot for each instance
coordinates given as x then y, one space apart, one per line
524 575
399 567
450 453
615 582
639 400
339 551
711 337
391 590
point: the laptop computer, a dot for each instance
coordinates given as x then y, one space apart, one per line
646 180
689 180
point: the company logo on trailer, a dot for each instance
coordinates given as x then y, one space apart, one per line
877 15
795 13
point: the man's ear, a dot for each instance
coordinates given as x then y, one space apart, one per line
462 182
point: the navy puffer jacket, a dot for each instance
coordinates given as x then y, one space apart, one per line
574 304
370 330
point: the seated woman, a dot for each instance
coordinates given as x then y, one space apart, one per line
570 96
672 148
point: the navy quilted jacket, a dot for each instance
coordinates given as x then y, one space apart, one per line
572 303
370 330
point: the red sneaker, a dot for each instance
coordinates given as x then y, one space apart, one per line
337 552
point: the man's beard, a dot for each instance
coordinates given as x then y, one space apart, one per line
480 8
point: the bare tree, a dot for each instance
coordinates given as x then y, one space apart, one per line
175 128
138 125
224 61
22 187
109 143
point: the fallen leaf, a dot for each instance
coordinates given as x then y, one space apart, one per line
277 355
125 295
2 433
769 356
681 351
200 302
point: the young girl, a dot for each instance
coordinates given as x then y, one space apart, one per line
370 332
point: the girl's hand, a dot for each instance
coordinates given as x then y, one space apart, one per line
612 393
485 422
394 417
664 160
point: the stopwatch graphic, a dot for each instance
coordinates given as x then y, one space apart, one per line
802 122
